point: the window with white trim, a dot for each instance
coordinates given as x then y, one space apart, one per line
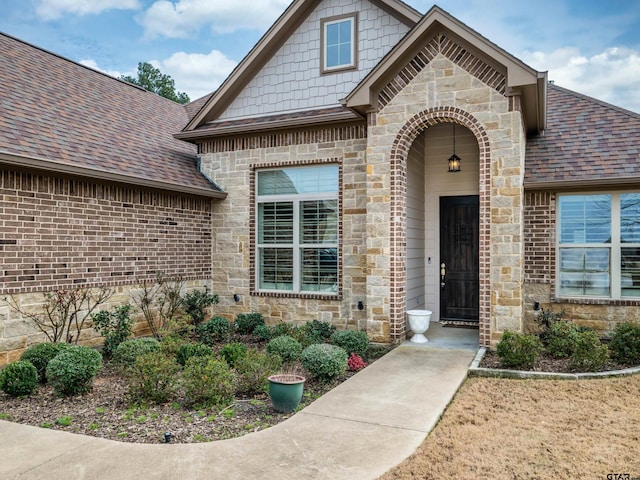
297 229
338 43
599 245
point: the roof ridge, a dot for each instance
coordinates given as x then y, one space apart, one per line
588 98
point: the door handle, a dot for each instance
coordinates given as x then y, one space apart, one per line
443 274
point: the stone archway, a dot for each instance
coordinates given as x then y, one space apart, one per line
398 164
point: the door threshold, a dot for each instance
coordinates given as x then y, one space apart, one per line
459 324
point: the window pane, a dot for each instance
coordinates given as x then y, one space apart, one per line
319 269
630 272
585 219
276 268
585 271
276 222
338 43
630 218
298 180
319 221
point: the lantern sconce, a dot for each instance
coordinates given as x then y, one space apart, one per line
454 160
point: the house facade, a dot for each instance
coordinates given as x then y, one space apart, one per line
365 159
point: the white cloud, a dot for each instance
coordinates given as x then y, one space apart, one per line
183 18
196 74
612 75
53 9
93 64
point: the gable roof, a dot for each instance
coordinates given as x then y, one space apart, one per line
587 142
520 78
268 45
60 116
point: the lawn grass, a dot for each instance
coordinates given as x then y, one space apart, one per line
533 429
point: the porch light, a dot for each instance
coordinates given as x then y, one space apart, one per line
454 160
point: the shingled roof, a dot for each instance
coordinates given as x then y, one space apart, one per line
60 116
587 142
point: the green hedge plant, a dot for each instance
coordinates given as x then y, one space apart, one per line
318 332
185 352
286 347
625 343
253 370
208 381
41 354
19 379
324 361
127 352
72 371
561 338
589 353
231 352
246 323
352 341
518 350
216 329
115 326
153 377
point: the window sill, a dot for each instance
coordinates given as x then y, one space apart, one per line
597 301
301 295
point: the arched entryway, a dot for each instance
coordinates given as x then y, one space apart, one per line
400 151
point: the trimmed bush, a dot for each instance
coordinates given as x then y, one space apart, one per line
72 371
153 377
561 338
246 323
286 347
231 352
216 329
352 341
185 352
589 354
518 350
19 378
253 370
196 302
625 343
114 326
129 350
170 344
324 360
263 333
208 381
41 354
318 332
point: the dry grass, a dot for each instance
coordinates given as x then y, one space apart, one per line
533 429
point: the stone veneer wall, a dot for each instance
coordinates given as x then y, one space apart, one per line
444 92
232 232
61 233
540 274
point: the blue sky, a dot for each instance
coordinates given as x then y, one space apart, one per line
591 46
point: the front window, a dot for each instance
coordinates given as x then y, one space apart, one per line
297 231
599 245
338 43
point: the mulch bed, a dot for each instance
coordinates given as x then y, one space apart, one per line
546 363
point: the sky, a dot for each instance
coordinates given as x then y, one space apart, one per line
590 46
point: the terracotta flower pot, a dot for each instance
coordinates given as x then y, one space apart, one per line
285 391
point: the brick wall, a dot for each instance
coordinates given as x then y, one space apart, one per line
59 233
539 235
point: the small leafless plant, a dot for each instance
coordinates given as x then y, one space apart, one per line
64 312
161 303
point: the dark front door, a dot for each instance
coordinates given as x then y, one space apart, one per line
459 254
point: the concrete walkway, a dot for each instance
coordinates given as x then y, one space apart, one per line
359 430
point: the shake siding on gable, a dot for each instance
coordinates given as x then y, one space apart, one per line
291 80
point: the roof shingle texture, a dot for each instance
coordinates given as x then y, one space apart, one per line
585 140
56 110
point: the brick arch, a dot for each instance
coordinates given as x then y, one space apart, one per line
398 162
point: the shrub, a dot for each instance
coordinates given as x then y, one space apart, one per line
324 361
72 371
41 354
153 377
196 302
518 350
561 338
625 343
589 354
207 381
214 330
318 332
185 352
231 352
129 350
352 341
170 344
355 363
263 333
286 347
253 370
246 323
19 378
114 326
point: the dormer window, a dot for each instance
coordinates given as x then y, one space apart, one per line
339 42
